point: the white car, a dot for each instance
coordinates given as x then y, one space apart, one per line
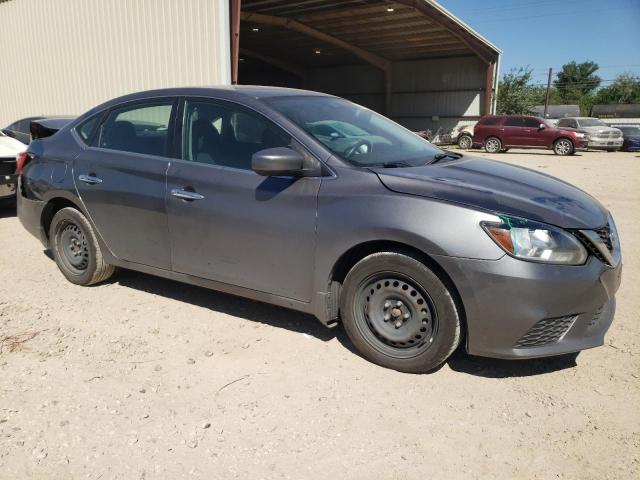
9 148
462 135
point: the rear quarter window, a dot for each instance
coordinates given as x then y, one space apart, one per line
87 129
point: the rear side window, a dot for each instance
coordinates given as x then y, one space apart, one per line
531 122
86 129
514 122
141 128
490 121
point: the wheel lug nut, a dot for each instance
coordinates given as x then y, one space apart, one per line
406 315
398 323
387 317
398 303
387 304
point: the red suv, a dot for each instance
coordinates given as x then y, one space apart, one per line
498 133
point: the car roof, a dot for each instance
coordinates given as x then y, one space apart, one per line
251 91
229 92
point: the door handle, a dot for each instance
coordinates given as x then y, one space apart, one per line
186 194
90 179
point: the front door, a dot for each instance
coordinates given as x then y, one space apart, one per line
121 181
228 223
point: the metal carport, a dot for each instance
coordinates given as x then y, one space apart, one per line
410 59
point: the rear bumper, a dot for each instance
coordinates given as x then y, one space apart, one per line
516 309
8 185
30 214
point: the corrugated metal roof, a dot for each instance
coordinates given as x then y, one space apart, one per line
394 30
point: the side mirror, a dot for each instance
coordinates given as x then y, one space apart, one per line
279 161
541 126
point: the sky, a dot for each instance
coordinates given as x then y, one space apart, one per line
550 33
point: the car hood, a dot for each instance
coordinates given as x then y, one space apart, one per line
501 188
10 147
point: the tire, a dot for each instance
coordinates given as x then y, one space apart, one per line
611 150
563 146
492 145
465 142
398 313
76 250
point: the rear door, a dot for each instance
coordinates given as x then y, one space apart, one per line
515 133
226 222
121 180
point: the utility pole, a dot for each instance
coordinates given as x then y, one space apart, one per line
546 102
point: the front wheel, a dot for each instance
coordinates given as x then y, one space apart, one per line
492 145
76 250
563 146
398 313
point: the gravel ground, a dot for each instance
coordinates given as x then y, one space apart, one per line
147 378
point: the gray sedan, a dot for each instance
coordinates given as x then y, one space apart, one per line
314 203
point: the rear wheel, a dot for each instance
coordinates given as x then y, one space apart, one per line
492 145
76 250
563 146
398 313
465 142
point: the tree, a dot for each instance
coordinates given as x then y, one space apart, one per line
624 89
516 95
576 80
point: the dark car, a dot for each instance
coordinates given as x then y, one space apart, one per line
631 137
21 129
498 133
414 249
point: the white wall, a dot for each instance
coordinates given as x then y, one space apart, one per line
66 56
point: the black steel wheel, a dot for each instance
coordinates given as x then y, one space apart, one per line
399 313
75 248
396 315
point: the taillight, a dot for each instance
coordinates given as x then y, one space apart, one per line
21 161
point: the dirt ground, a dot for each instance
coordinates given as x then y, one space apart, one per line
148 378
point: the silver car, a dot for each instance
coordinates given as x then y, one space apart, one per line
600 136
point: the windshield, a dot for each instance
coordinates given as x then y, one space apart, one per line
355 133
591 122
635 131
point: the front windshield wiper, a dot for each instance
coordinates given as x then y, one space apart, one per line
386 165
443 155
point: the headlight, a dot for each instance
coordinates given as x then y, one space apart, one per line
580 135
536 242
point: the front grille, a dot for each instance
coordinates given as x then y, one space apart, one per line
593 250
546 331
605 235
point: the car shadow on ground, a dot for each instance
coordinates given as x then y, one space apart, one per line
247 309
302 323
7 209
462 362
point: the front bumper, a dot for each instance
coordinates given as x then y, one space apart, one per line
605 143
517 309
8 185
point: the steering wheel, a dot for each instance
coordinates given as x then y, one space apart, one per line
354 149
